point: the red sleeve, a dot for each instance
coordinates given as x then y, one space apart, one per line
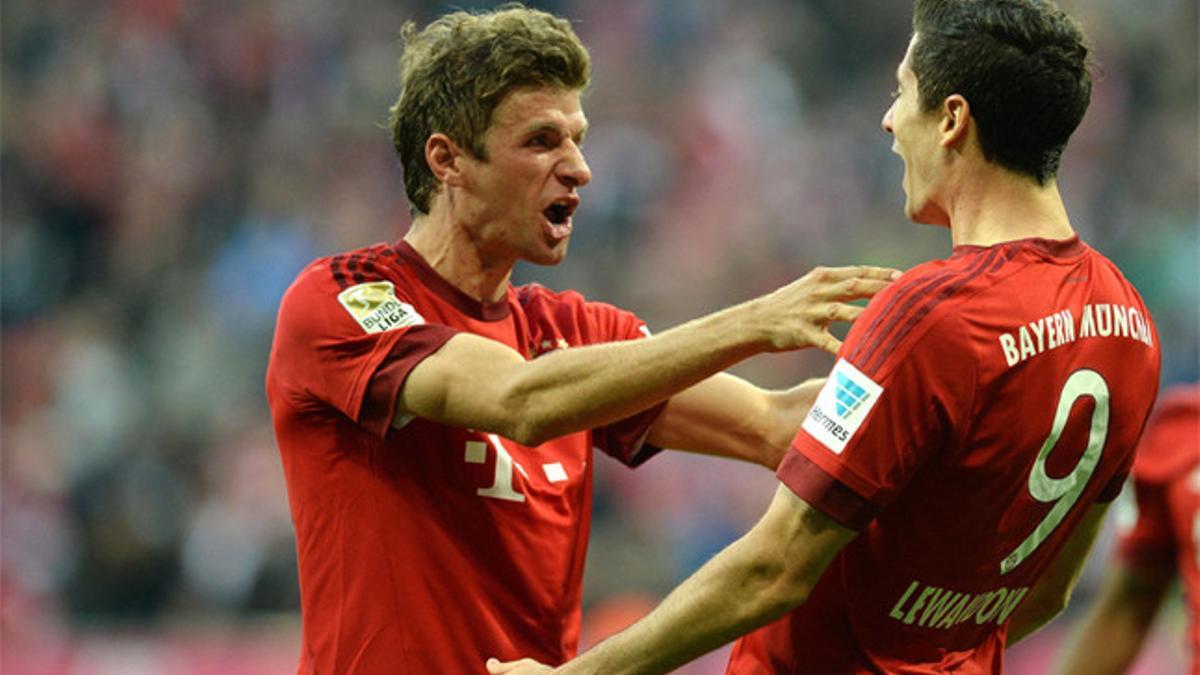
1169 443
1148 543
822 491
567 319
380 405
871 431
624 439
350 347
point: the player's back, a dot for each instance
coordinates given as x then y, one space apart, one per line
982 404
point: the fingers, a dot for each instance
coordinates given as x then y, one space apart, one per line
868 272
882 273
838 311
810 304
498 667
858 287
827 343
844 283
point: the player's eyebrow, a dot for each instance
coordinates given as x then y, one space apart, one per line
537 127
541 125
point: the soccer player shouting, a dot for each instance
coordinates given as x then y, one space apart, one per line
436 424
945 488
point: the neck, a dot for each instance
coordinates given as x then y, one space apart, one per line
997 205
456 256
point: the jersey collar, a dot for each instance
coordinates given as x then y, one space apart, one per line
1054 248
484 311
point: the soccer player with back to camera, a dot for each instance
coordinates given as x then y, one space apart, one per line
1159 544
944 490
436 424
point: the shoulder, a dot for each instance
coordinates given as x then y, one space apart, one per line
537 295
1180 401
578 319
333 274
342 270
914 309
535 298
361 279
1170 442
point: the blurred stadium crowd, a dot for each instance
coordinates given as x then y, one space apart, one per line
168 166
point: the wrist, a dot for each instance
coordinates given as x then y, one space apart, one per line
750 321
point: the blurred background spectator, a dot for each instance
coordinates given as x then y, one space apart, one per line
168 167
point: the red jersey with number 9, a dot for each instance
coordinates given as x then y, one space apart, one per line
979 406
425 548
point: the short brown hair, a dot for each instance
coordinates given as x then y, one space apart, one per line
1022 65
455 71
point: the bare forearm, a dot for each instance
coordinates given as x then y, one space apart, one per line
732 594
759 577
1116 625
591 386
477 383
729 417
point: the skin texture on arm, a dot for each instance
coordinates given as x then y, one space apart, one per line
755 580
727 416
1050 594
1117 623
477 383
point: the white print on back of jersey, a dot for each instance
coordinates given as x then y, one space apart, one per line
944 609
376 308
843 404
1060 328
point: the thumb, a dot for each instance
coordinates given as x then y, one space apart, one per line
497 667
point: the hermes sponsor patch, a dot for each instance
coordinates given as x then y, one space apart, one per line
843 404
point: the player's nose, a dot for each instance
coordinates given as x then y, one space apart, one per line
574 170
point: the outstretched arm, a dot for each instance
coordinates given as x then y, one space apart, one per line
477 383
752 582
727 416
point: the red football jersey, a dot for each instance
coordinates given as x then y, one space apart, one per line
979 406
1166 482
427 548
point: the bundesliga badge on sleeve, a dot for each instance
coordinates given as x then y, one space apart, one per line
376 308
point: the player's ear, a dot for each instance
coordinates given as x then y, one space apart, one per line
956 120
445 159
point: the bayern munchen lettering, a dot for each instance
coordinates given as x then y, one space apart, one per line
943 608
831 425
1061 328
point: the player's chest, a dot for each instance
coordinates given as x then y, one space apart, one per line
474 469
531 334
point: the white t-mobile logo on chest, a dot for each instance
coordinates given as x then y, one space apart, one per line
502 483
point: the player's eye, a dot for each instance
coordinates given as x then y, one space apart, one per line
540 141
896 93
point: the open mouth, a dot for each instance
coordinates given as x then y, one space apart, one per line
559 212
558 217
